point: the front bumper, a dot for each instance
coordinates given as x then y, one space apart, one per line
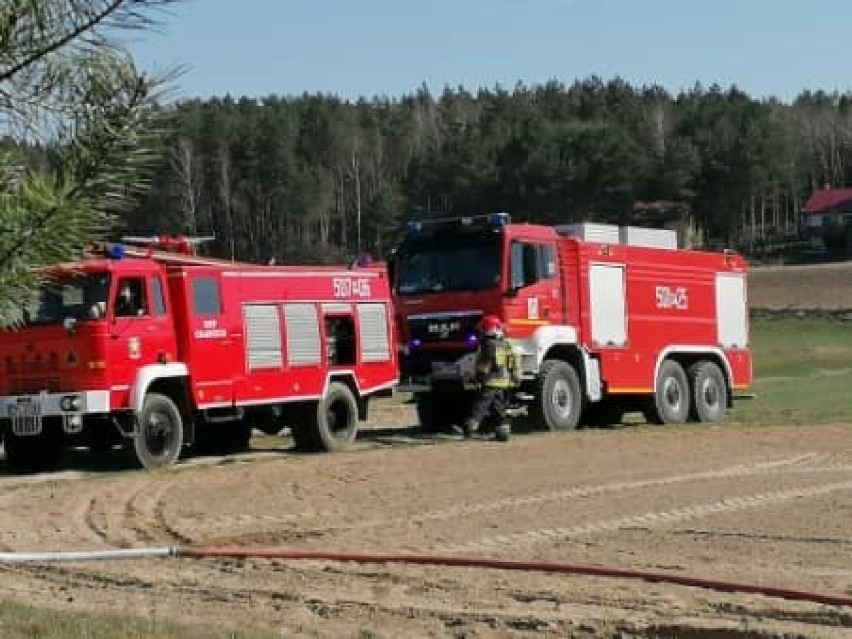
26 413
423 371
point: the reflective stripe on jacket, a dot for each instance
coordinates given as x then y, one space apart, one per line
495 363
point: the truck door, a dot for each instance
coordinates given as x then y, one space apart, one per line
534 297
214 360
129 344
141 332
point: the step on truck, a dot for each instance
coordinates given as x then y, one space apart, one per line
607 320
158 348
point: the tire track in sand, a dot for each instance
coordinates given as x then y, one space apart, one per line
136 514
224 527
677 515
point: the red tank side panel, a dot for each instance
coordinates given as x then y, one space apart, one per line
270 342
670 298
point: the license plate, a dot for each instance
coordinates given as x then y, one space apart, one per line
439 368
27 408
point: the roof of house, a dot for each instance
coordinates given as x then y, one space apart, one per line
827 199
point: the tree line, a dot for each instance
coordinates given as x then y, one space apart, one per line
318 178
90 146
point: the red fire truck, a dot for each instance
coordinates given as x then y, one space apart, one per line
164 348
606 319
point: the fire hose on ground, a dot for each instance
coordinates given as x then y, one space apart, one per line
554 567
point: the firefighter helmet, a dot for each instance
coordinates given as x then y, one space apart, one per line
491 325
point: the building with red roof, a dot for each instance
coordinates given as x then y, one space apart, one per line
828 207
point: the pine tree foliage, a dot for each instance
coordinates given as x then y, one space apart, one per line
90 125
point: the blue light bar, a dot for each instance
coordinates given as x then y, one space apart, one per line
415 227
499 219
115 251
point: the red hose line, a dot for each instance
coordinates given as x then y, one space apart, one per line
509 564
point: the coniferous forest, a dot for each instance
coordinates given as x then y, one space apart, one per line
316 178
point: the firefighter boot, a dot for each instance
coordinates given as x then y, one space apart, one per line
503 432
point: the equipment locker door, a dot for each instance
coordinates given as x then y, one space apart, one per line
608 304
731 310
215 362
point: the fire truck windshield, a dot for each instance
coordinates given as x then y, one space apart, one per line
439 265
81 296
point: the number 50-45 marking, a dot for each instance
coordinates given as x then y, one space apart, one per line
346 287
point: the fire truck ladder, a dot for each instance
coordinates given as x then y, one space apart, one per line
178 250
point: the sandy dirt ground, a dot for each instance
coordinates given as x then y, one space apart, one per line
769 506
827 286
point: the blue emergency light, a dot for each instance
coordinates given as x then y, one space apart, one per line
415 227
115 251
499 219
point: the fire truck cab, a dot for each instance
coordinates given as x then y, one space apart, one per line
606 319
162 349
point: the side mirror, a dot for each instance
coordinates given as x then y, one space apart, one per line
70 325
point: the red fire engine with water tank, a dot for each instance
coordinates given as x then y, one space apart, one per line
163 348
607 319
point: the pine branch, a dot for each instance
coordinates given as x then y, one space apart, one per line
64 40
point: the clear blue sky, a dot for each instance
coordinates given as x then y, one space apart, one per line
358 48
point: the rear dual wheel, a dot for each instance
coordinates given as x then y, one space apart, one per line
709 392
701 394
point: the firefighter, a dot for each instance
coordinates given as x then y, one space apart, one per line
495 368
128 303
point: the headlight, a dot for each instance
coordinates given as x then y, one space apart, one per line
70 403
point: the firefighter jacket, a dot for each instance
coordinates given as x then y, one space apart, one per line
497 365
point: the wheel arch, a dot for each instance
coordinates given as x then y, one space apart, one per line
171 380
348 379
586 366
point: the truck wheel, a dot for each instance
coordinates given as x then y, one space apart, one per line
558 402
332 423
671 402
32 454
159 439
709 392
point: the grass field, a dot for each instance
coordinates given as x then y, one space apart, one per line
802 370
18 620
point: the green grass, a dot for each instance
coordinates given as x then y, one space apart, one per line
25 622
19 621
802 372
